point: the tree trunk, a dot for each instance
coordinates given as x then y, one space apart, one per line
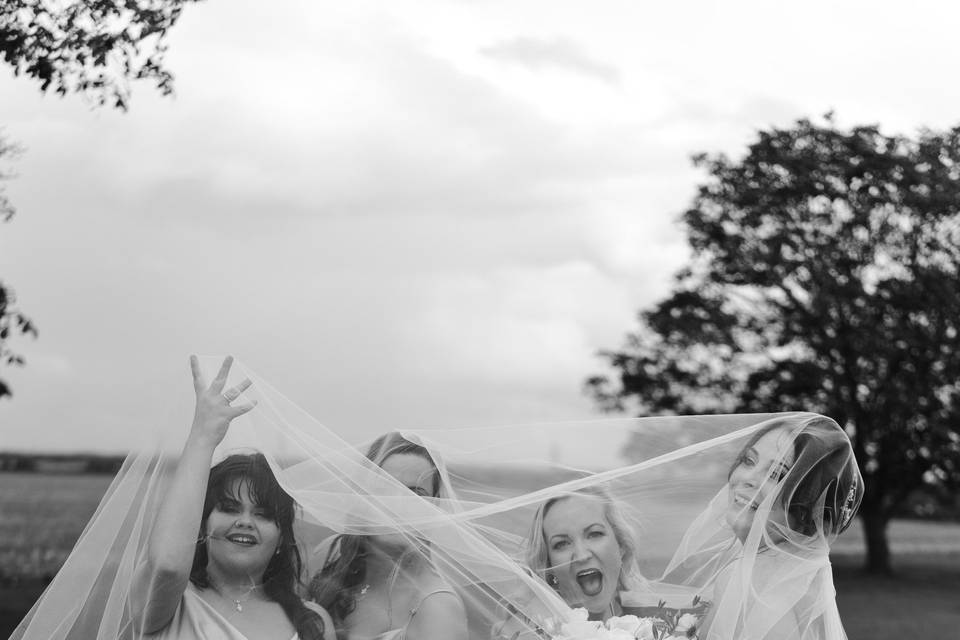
878 550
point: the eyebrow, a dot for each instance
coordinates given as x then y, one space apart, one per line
586 528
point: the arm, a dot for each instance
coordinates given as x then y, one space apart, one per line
164 569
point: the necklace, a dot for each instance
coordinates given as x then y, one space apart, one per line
238 602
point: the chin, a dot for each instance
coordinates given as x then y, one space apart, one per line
598 605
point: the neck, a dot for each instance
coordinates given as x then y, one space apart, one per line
231 584
612 609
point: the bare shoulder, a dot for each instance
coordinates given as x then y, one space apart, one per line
441 615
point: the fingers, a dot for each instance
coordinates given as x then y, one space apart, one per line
221 379
234 392
197 374
241 409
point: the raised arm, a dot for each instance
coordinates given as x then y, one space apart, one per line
164 569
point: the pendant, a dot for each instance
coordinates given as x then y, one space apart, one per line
239 608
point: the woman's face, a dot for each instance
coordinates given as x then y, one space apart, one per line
759 470
243 536
583 552
414 472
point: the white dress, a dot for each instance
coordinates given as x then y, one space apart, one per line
195 619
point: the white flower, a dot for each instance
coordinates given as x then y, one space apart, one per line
619 634
578 627
644 630
624 623
579 615
581 630
684 624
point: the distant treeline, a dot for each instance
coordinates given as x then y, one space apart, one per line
61 463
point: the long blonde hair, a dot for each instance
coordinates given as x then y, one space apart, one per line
538 553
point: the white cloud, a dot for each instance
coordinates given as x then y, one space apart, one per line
390 223
558 52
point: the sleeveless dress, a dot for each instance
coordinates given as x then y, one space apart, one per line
195 619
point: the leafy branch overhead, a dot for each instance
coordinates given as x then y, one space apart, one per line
93 47
825 276
12 321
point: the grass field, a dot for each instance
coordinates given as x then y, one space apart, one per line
42 515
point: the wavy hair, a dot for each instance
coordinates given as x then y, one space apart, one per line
282 576
822 489
538 552
336 585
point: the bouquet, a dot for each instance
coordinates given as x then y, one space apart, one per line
668 623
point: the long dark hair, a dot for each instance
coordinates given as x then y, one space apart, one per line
283 573
336 585
824 479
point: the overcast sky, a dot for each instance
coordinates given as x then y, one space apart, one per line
418 214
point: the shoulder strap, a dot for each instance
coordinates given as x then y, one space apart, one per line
416 607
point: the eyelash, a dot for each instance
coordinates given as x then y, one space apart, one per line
556 546
232 507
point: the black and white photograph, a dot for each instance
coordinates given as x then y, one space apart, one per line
466 320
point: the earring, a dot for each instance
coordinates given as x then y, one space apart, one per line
552 580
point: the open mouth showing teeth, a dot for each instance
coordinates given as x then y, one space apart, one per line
239 538
590 581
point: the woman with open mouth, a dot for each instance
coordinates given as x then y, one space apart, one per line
582 546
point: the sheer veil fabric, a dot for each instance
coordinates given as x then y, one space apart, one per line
729 517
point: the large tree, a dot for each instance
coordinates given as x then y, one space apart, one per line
92 47
824 276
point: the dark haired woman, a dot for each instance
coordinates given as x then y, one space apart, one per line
385 586
762 546
221 559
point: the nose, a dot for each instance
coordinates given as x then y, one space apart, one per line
580 551
244 519
744 477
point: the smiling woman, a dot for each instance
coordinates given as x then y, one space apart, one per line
240 573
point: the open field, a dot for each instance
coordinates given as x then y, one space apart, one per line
921 601
42 515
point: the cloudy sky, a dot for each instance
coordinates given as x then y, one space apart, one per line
418 214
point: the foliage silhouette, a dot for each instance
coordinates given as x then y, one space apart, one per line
825 276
